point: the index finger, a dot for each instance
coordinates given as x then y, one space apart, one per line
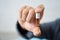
40 9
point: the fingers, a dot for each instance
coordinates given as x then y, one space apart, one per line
20 11
40 9
30 15
20 14
25 13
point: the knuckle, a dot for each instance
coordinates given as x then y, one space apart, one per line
31 10
28 8
24 10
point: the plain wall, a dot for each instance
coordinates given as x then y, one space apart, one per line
9 12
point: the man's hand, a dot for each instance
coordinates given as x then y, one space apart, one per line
27 18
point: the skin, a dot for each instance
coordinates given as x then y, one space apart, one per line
27 20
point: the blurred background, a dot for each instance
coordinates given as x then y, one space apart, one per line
9 15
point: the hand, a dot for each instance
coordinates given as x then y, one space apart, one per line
27 18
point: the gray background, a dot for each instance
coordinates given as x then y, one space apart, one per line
9 12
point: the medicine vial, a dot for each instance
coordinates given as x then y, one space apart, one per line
37 18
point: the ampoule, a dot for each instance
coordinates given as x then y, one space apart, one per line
37 18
